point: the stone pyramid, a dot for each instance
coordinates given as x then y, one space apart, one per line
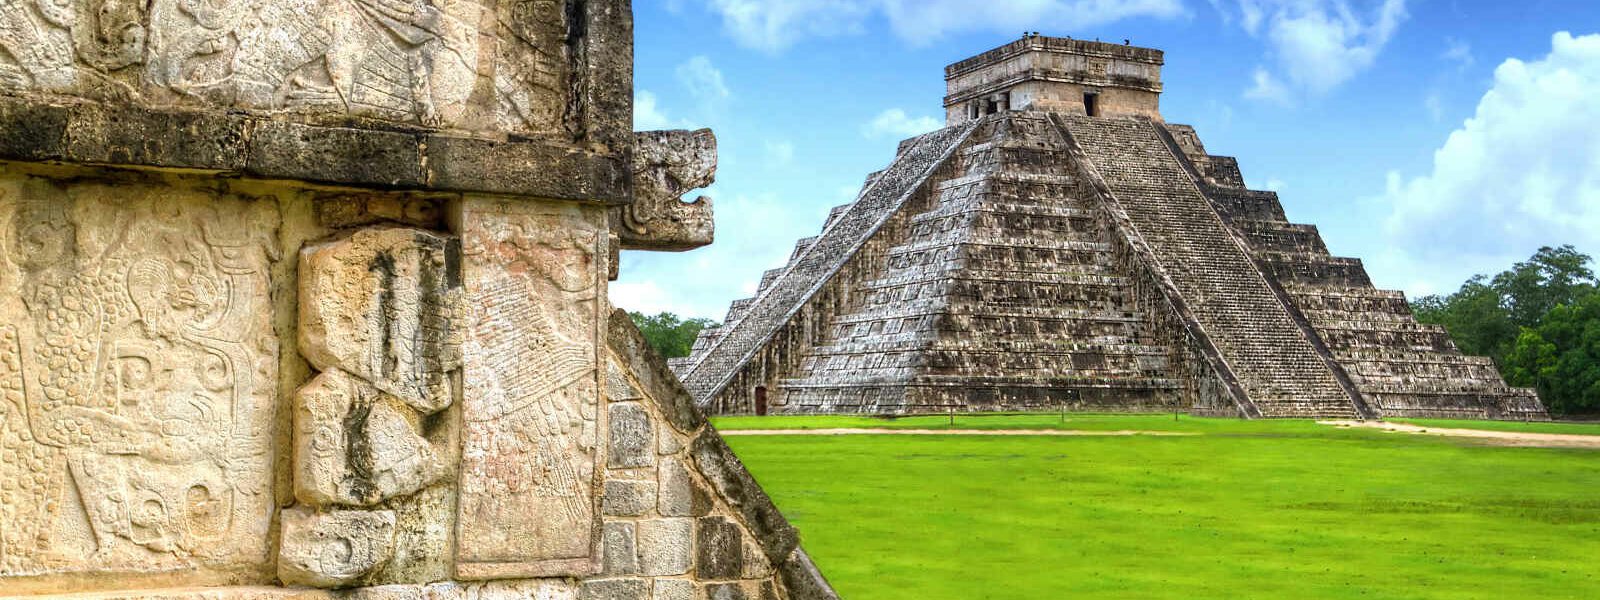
1059 246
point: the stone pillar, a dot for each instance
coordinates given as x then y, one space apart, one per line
302 297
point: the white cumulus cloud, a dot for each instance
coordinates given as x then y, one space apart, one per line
1522 172
1315 45
647 113
777 24
703 79
897 124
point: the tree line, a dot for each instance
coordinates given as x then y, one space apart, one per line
670 335
1538 320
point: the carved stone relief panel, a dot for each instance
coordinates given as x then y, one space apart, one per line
138 369
454 64
535 275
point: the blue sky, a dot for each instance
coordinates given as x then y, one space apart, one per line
1433 139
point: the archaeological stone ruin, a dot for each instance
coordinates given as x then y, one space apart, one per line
307 300
1058 246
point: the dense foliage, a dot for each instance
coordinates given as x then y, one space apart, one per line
1539 321
668 334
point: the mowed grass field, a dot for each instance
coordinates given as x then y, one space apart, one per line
1241 509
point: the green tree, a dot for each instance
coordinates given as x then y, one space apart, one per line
670 335
1486 316
1561 357
1552 277
1475 316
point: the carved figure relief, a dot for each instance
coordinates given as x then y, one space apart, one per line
137 370
448 64
531 395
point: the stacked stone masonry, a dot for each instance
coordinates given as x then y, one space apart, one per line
308 300
1042 259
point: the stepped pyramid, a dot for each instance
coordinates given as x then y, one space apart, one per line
1059 245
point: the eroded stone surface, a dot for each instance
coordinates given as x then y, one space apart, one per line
719 551
356 445
453 65
667 165
666 546
334 548
632 436
531 401
673 589
138 371
629 498
382 304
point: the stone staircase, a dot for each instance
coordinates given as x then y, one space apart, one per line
1274 358
1402 368
1004 294
729 349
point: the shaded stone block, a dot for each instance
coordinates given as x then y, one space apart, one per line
632 438
615 589
680 494
725 591
719 549
620 553
335 548
802 580
628 498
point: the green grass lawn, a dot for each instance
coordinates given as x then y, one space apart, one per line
1262 509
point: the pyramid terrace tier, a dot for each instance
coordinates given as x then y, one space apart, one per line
974 394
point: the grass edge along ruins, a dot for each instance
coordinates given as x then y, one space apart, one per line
1059 245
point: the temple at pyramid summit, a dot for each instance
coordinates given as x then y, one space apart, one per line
1058 245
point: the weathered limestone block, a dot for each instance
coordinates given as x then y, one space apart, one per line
355 445
629 498
666 165
618 388
666 546
381 304
530 409
138 372
673 589
621 552
719 550
522 589
615 589
632 436
335 548
679 494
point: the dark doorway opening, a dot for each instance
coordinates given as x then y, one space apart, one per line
761 401
1091 104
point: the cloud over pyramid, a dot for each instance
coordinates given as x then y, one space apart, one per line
1058 245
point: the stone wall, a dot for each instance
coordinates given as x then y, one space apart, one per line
308 300
1049 73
